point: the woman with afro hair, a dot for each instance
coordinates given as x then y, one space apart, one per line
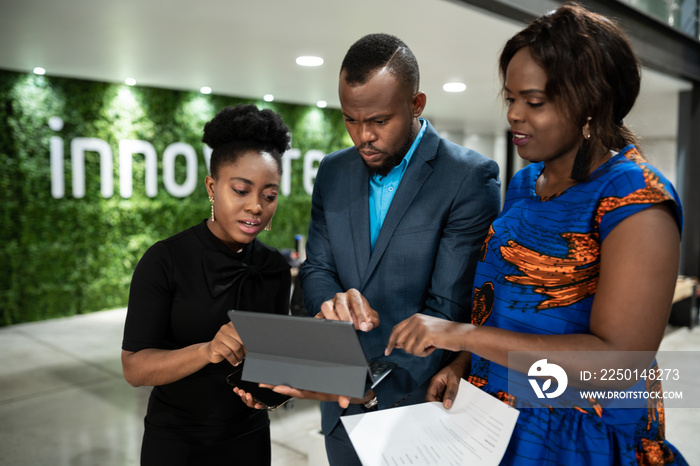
177 337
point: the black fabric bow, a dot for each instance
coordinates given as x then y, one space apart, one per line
245 282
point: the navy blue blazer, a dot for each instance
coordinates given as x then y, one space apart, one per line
424 258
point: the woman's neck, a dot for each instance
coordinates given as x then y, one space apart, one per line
556 175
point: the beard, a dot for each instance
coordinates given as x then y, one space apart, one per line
393 159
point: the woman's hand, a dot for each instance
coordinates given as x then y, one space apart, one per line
153 366
445 384
227 345
247 398
421 335
343 401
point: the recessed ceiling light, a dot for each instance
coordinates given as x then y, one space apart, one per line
454 87
39 70
130 81
205 90
309 61
322 104
268 97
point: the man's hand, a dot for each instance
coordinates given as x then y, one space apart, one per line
350 306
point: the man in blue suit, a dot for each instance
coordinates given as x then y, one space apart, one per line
397 223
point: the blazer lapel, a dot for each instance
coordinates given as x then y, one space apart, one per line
417 172
358 196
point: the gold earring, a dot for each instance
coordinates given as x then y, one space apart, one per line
587 129
268 227
211 200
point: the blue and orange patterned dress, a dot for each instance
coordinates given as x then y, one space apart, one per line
538 274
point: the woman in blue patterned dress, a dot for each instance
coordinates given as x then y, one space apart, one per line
583 258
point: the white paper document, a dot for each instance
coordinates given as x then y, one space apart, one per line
476 430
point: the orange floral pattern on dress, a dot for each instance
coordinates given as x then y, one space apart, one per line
572 278
565 280
653 453
594 405
654 192
476 381
482 303
505 397
485 245
655 407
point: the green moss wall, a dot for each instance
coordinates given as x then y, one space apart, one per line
68 255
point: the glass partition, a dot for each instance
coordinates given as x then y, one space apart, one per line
680 14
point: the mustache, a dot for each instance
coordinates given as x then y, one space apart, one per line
368 146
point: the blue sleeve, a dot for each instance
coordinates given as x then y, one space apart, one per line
635 189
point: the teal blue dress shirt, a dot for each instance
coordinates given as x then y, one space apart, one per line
383 188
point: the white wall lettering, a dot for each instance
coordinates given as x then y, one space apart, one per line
169 155
78 147
58 186
311 160
127 148
286 185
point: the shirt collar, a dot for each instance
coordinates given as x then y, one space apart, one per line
407 158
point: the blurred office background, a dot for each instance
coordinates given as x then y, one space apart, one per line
102 105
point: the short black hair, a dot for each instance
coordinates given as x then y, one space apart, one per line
236 130
375 51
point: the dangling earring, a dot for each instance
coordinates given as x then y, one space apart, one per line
579 171
211 200
587 129
268 227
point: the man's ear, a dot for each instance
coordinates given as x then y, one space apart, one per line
419 99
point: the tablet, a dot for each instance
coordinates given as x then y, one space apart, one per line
306 353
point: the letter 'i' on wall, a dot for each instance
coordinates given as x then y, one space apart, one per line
58 186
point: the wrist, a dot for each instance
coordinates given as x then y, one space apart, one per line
467 337
204 349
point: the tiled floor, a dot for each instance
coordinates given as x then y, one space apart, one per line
63 400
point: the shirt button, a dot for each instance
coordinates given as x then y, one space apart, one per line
391 188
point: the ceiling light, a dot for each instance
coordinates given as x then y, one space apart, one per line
268 97
39 70
454 87
205 90
309 61
130 81
322 104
